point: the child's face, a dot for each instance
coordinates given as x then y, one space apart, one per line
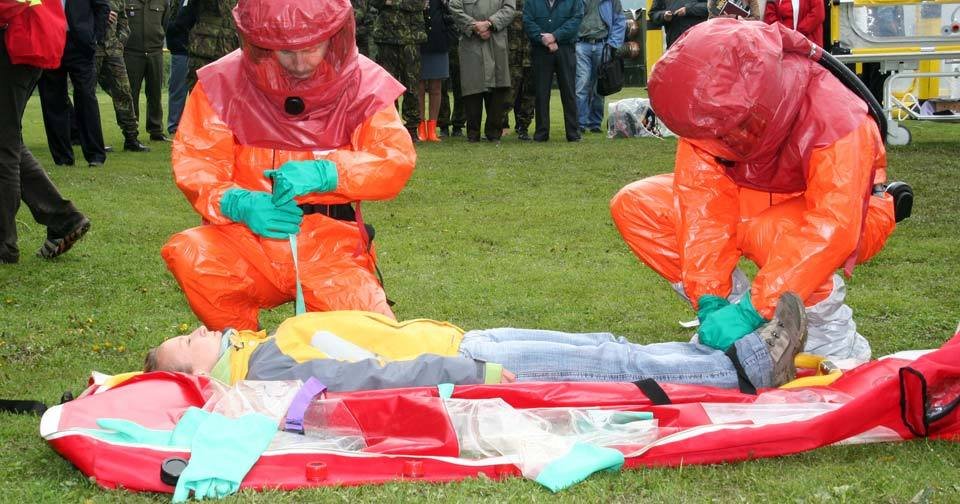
198 351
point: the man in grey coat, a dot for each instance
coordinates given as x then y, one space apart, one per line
484 62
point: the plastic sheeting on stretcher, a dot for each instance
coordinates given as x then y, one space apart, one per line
409 434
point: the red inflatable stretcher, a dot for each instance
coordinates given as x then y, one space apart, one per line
409 437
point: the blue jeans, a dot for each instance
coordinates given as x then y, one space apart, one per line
537 355
589 103
177 91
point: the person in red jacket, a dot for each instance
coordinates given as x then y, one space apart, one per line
277 140
778 162
32 37
805 16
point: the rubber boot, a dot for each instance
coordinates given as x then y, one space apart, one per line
432 131
422 131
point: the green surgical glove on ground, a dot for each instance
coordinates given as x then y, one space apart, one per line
257 211
722 327
296 178
222 452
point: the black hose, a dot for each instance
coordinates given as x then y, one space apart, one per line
850 79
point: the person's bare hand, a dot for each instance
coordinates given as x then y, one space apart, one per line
507 377
485 35
553 47
682 11
112 17
667 16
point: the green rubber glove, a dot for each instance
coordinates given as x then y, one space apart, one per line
296 178
125 431
708 303
726 325
222 452
257 211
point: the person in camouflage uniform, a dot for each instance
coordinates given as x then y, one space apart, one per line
521 97
212 37
452 118
362 15
398 30
143 56
112 76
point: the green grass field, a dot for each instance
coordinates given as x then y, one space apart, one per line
517 234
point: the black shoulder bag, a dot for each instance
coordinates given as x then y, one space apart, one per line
610 75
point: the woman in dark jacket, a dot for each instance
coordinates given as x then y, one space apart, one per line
434 65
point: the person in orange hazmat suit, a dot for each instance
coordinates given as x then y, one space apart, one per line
778 162
281 138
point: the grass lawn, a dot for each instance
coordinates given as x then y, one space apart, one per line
517 234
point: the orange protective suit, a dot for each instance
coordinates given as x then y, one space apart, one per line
227 272
296 90
776 162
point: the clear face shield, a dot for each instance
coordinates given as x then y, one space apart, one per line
290 77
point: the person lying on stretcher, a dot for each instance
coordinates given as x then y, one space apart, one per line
355 350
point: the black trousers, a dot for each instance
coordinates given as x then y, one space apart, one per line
55 104
473 106
21 177
147 68
545 64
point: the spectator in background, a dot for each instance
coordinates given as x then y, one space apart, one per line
212 36
677 16
552 26
362 17
752 5
484 63
809 21
521 97
398 31
182 19
112 75
21 176
452 118
434 66
86 27
603 26
143 54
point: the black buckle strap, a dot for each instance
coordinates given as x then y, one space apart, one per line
743 381
21 407
653 391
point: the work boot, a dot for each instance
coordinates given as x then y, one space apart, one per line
431 130
444 132
785 336
414 136
456 132
159 137
523 135
422 130
58 245
134 145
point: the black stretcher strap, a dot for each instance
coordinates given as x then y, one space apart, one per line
743 381
21 407
653 391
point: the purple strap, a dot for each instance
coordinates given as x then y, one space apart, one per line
300 403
